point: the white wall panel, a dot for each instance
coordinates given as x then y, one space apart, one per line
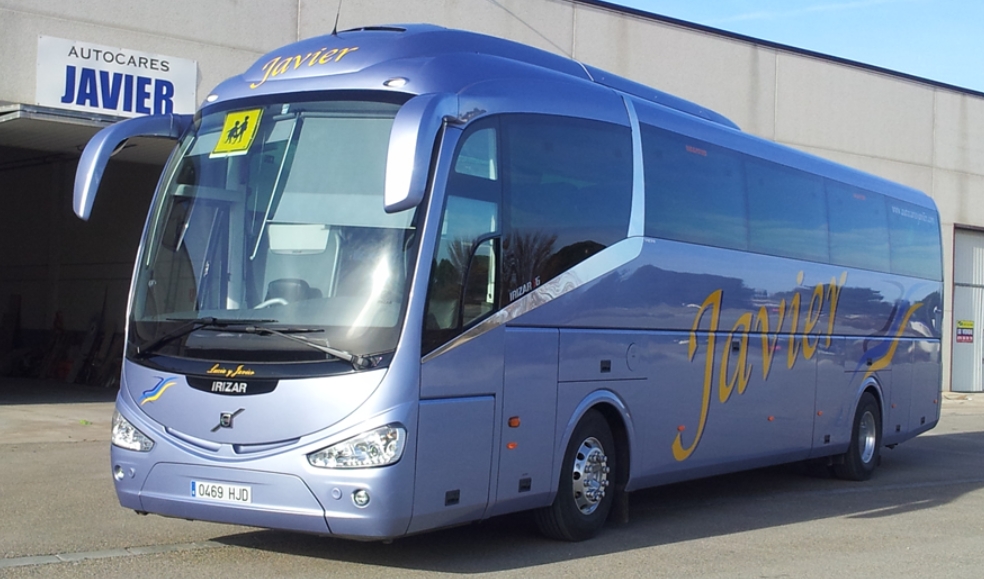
959 136
916 176
730 77
841 108
238 24
546 24
958 196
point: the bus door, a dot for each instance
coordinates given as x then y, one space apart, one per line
462 366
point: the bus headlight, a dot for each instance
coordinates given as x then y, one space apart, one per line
377 447
125 435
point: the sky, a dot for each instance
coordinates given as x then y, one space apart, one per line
940 40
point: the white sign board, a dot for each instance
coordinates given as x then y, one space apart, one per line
81 76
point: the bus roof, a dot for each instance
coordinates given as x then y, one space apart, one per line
370 58
414 59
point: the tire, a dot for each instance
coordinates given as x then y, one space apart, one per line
585 493
862 456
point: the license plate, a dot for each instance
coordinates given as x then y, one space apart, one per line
221 492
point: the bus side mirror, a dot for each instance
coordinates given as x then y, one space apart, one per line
102 146
411 147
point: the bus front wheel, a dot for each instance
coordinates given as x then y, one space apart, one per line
861 458
585 493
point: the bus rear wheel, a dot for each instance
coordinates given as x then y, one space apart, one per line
862 456
585 494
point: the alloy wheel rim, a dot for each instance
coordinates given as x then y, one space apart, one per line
867 437
590 475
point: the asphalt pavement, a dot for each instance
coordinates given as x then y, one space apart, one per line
51 411
919 516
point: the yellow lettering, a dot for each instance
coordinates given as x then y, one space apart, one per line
769 344
792 352
327 56
813 312
240 370
742 371
736 377
833 296
267 69
346 51
279 65
762 328
713 302
885 360
314 57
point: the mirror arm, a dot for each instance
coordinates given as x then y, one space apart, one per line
411 148
106 142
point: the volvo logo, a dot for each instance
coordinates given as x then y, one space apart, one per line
226 418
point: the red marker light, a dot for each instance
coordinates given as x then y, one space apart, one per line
696 150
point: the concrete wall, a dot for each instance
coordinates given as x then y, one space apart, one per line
926 136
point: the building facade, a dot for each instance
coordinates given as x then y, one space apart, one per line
60 60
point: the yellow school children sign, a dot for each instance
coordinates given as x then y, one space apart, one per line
237 134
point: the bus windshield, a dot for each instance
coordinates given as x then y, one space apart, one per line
272 216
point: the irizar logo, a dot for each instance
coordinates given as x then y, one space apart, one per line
229 387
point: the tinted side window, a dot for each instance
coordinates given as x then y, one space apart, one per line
700 193
915 236
568 195
694 191
787 212
858 227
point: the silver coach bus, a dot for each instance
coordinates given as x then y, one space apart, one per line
404 277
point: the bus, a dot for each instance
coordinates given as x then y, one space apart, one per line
401 278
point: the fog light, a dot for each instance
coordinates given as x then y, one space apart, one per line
118 473
360 498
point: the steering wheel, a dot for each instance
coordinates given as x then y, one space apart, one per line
270 302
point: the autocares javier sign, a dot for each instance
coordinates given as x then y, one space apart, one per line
82 76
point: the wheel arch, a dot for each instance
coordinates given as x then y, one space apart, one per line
874 386
862 456
615 412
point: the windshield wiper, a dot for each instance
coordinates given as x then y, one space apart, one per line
358 362
251 326
193 326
